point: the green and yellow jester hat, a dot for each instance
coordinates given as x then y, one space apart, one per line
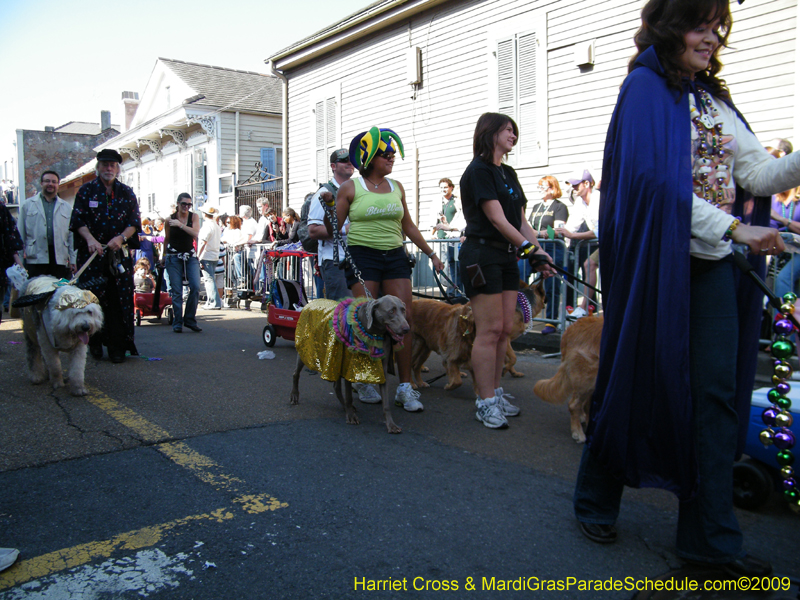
366 145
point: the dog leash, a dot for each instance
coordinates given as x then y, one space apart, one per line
330 210
458 298
83 268
564 273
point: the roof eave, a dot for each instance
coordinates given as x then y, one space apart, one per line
375 17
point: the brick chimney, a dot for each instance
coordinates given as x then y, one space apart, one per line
105 120
130 102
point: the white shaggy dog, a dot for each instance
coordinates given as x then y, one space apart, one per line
61 323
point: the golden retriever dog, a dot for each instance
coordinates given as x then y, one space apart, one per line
574 381
449 330
383 319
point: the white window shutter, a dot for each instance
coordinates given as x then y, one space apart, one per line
507 80
331 137
506 77
527 95
319 143
326 136
518 76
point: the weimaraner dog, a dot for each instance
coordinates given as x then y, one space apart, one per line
384 319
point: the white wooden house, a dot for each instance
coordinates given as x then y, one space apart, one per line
200 129
429 68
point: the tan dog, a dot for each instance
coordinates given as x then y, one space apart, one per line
320 350
574 381
449 330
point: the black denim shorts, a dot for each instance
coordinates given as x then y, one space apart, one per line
378 265
499 268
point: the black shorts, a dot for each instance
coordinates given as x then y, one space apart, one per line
499 268
378 265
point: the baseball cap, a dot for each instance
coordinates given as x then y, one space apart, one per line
580 175
340 155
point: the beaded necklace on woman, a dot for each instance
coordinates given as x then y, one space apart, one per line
708 171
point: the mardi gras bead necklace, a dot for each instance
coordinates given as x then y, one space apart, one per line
777 417
709 172
350 332
525 307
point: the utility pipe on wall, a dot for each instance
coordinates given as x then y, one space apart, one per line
236 150
284 131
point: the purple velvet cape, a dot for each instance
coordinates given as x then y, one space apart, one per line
641 415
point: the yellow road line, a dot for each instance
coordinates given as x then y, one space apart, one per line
146 430
203 467
68 558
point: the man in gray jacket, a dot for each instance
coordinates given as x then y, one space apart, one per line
44 227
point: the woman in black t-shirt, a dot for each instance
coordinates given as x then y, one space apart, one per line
497 233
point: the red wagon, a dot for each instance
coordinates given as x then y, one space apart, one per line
146 304
287 296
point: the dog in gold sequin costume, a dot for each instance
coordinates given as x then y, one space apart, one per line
350 340
61 322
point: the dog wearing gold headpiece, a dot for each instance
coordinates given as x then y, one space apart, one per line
59 318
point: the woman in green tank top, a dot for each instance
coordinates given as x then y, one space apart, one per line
379 218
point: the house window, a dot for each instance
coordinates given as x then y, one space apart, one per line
271 167
326 109
519 80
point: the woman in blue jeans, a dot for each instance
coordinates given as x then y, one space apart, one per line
182 230
680 335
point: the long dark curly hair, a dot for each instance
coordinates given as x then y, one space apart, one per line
665 22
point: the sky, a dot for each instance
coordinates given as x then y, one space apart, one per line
67 60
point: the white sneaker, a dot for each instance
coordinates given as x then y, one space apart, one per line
489 413
367 393
508 409
408 398
577 313
7 557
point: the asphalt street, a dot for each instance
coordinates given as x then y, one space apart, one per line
186 474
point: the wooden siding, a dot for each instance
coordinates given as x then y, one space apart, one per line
266 133
760 66
439 119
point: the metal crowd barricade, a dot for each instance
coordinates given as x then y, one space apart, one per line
238 277
557 249
582 251
423 284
